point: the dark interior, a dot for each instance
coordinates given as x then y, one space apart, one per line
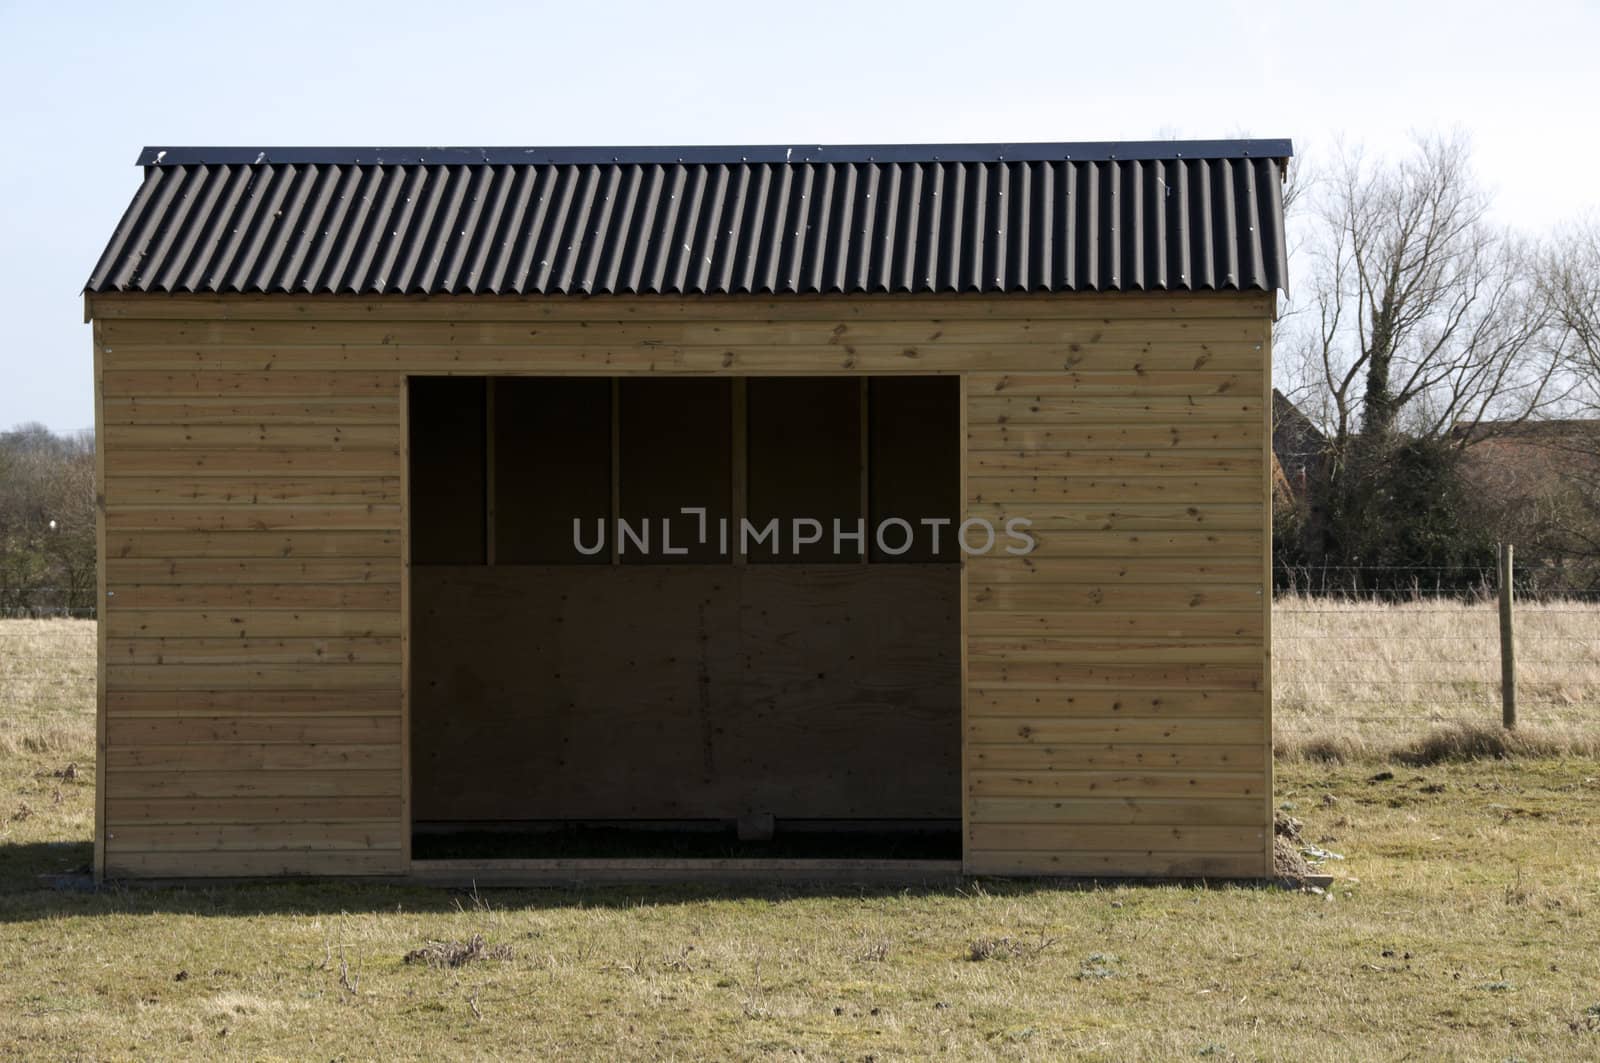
674 688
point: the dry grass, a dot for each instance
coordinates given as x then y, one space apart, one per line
1365 680
1464 927
47 675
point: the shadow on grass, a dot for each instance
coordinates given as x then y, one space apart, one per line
51 880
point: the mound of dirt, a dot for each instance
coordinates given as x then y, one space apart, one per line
1287 862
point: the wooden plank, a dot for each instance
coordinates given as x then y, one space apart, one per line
1185 490
1119 864
642 352
251 490
254 517
472 873
1137 838
1055 516
276 570
739 478
1076 388
354 598
404 819
217 387
251 412
260 462
252 701
1025 438
1163 755
1137 546
138 732
113 306
154 811
1111 811
616 469
263 433
328 652
1017 409
253 623
1188 624
1115 784
1001 571
1126 676
256 757
1102 705
278 864
964 617
864 459
1064 337
328 676
989 595
192 545
336 783
1050 730
268 837
999 650
987 464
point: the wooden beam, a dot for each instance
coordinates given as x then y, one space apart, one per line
489 489
616 468
741 469
865 472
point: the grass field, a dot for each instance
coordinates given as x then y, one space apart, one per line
1367 679
1466 925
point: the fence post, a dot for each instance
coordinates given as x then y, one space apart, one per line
1508 652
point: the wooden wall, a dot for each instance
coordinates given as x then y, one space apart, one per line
686 692
1116 716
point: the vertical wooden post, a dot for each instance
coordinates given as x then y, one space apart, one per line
1508 650
616 470
490 487
740 442
865 462
405 623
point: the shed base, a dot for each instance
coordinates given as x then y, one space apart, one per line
611 871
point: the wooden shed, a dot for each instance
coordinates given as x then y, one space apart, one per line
607 512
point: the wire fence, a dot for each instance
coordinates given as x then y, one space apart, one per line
1384 655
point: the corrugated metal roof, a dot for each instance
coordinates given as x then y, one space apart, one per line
1166 215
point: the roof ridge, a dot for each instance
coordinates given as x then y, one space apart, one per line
1042 151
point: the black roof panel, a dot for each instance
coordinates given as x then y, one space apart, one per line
1158 216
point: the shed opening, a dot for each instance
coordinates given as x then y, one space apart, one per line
685 617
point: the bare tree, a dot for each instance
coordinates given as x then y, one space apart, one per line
1419 314
1419 328
1570 277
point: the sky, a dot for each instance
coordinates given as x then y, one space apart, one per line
87 85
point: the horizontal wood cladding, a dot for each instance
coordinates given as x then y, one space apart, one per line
1116 714
1116 709
252 535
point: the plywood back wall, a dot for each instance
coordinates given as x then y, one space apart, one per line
686 692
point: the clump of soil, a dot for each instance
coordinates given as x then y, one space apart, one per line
1288 863
1286 826
458 953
